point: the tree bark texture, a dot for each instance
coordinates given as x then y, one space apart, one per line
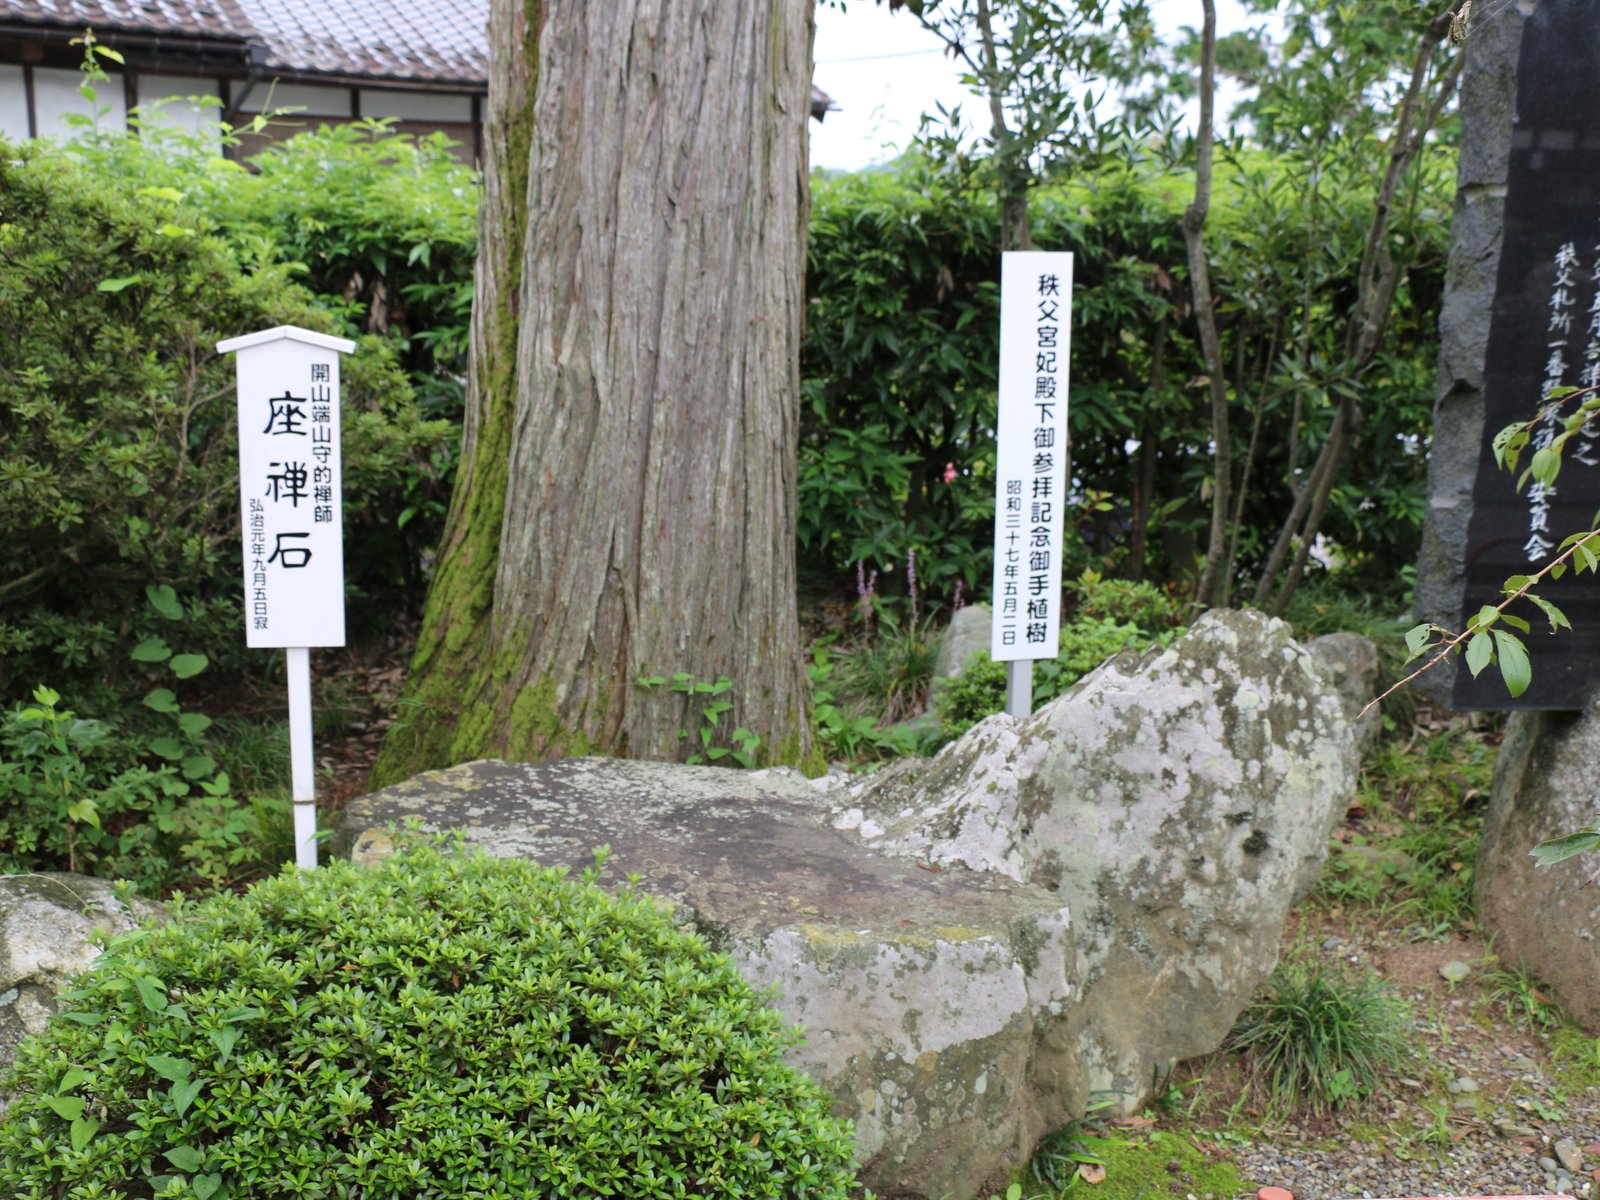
627 495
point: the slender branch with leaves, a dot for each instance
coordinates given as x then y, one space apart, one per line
1492 633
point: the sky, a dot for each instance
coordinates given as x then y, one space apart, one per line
884 71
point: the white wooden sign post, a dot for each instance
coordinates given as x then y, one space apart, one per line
293 522
1030 465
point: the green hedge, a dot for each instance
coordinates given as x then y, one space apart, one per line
117 448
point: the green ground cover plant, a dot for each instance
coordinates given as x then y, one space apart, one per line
441 1025
1318 1039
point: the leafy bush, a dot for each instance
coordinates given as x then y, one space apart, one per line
897 426
1316 1039
848 728
1111 615
1125 601
79 795
980 690
441 1025
382 227
117 456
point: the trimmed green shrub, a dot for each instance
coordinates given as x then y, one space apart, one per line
440 1026
980 690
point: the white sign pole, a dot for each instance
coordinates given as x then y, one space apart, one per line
292 521
1030 465
301 767
1019 687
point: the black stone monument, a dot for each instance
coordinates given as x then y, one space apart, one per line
1544 333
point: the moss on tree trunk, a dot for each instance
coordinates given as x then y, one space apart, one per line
626 500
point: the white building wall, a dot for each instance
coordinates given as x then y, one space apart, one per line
183 102
312 99
13 103
56 95
415 106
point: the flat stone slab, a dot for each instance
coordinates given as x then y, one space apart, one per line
934 998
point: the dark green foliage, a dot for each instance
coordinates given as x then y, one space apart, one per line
117 460
437 1027
899 369
1315 1039
382 227
91 796
1110 615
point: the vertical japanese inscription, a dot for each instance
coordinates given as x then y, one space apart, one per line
1031 453
289 489
1544 334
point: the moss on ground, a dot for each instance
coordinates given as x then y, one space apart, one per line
1164 1166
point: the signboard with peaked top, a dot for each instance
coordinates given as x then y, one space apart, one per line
1030 464
292 521
289 476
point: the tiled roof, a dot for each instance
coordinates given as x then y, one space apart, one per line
194 18
422 41
426 41
436 41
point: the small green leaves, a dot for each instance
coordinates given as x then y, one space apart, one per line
194 724
152 993
162 700
182 1094
186 1158
1557 619
166 747
165 601
186 666
1544 467
1418 639
118 284
68 1107
85 811
1585 549
1562 848
1480 650
174 1070
198 766
82 1132
73 1078
1513 659
151 650
225 1039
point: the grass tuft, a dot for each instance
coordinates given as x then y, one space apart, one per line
1318 1039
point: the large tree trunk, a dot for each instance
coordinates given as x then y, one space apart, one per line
626 503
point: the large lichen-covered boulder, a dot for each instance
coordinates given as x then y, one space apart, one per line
1543 919
48 926
933 999
1176 802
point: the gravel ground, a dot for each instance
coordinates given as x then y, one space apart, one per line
1482 1111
